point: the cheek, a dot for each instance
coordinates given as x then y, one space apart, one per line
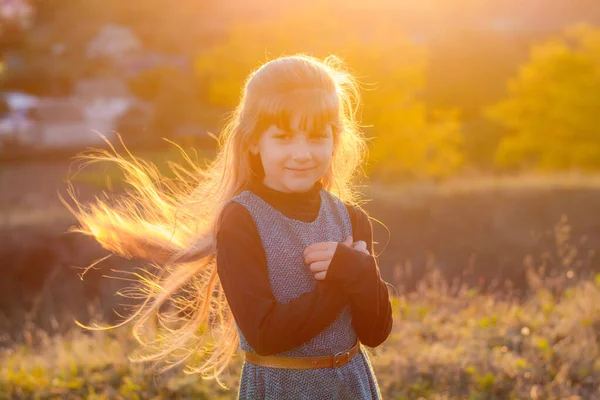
325 153
272 155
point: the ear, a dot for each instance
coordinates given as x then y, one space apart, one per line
254 149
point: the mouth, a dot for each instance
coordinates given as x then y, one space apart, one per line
300 170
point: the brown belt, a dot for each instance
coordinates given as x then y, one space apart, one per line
333 361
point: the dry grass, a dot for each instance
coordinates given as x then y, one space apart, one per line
523 182
444 346
448 342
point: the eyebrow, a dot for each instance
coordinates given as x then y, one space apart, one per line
311 132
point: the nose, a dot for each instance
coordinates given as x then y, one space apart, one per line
302 152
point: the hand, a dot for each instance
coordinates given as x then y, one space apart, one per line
319 255
361 245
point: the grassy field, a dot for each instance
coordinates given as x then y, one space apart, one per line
447 343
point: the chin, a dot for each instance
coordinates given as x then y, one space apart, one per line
301 186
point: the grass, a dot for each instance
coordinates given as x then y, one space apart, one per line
448 342
108 175
486 184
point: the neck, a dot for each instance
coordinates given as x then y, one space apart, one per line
286 191
302 206
263 182
260 184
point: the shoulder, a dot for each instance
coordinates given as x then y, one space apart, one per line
360 221
358 216
362 228
237 234
234 216
357 213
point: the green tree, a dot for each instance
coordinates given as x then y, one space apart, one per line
408 140
552 106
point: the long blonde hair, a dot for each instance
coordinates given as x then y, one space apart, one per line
172 223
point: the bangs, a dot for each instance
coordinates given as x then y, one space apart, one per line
306 110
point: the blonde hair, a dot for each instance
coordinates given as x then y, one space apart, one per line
172 223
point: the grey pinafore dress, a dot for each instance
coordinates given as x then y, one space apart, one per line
284 241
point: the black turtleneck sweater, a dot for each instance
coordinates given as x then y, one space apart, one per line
353 277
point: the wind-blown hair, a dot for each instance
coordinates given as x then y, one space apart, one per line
172 223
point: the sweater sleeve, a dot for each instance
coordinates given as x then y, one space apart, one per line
269 327
358 275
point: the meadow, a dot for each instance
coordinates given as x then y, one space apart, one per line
448 342
503 327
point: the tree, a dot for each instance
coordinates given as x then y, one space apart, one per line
408 140
552 106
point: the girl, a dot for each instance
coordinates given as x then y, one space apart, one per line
267 244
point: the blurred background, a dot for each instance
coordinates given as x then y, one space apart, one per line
483 172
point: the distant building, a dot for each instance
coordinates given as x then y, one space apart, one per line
60 122
16 12
103 101
125 53
114 42
16 116
75 121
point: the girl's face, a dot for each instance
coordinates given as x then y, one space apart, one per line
294 161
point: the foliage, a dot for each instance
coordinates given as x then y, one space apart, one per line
408 139
411 64
553 104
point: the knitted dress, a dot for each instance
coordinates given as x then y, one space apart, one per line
284 241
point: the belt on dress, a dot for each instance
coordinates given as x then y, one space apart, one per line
333 361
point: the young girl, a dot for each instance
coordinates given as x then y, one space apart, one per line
266 247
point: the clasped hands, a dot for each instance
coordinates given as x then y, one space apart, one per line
319 255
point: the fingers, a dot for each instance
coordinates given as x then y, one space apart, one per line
321 255
319 247
319 266
326 245
321 275
361 245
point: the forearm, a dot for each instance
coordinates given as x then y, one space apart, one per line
357 274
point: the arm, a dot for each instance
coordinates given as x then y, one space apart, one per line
268 326
358 275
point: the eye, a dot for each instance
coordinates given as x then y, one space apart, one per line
283 136
319 136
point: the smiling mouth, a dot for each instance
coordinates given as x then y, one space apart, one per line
300 170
